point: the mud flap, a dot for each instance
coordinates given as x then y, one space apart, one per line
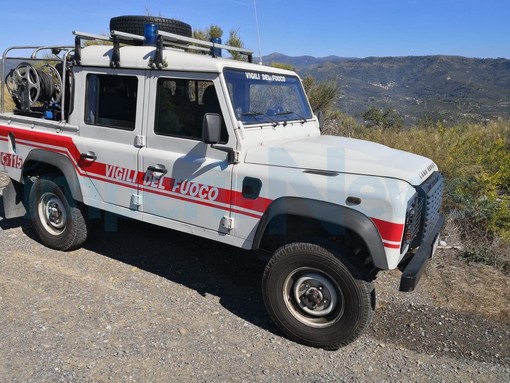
13 196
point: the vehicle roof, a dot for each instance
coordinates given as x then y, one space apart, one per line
141 57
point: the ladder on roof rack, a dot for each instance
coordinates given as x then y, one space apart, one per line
164 40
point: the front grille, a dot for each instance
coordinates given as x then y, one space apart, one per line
413 221
431 195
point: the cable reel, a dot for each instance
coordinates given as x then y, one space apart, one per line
29 85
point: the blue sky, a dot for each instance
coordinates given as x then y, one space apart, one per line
348 28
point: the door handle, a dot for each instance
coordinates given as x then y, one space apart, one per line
90 155
157 169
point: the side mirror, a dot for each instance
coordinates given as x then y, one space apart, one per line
211 128
211 133
320 117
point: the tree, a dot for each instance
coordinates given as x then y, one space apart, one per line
234 40
373 117
215 31
322 95
200 34
383 119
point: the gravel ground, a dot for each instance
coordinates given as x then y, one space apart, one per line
143 304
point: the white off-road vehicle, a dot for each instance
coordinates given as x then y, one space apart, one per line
156 126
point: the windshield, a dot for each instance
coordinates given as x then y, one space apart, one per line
261 97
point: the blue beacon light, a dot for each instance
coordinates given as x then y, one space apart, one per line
151 34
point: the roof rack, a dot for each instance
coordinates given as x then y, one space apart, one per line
164 40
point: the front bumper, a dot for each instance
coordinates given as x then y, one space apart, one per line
414 269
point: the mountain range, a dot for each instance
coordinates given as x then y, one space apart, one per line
436 88
444 88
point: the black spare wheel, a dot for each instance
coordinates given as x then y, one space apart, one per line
136 25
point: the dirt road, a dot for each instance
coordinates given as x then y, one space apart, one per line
144 304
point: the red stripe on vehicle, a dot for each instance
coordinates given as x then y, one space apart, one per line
96 170
391 245
389 231
259 204
42 138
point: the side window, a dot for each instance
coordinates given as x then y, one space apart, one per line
111 101
181 105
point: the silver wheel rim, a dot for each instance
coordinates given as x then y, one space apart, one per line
26 73
313 298
52 213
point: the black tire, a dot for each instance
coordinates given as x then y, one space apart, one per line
136 25
57 220
300 276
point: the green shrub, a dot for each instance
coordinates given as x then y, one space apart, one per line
475 160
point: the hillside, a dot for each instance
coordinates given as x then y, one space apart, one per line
447 88
438 88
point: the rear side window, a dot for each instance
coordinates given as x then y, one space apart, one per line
111 101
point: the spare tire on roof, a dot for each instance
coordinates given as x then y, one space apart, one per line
136 25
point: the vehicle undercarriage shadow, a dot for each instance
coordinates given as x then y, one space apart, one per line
234 275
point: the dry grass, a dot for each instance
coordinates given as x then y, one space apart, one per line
8 103
475 160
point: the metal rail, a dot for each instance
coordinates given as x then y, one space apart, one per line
33 57
164 40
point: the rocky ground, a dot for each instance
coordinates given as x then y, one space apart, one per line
143 304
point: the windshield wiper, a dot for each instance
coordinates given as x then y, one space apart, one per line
287 112
251 114
256 114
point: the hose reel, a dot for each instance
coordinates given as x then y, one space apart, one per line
29 85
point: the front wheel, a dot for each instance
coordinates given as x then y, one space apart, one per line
57 220
316 297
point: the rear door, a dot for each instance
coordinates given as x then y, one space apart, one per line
110 132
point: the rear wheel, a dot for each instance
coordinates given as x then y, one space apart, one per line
316 297
56 218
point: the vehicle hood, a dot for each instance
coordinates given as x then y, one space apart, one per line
344 155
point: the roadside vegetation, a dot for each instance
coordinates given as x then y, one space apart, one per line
475 160
8 102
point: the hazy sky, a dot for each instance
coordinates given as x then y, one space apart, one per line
349 28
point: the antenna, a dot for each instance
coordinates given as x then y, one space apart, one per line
258 31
